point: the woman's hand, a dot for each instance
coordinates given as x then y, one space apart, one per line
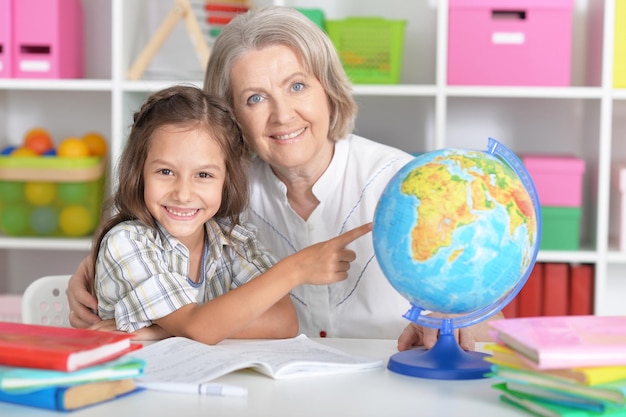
81 301
414 335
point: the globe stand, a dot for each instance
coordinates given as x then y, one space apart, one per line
445 360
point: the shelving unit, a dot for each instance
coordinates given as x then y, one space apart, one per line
422 113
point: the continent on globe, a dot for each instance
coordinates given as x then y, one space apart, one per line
490 183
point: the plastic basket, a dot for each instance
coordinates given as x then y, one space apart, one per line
50 196
370 48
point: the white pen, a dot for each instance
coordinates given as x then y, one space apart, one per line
223 390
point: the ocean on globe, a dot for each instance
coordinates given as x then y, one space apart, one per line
455 230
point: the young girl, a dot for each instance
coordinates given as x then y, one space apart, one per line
173 259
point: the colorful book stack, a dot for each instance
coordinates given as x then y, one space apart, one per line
561 365
62 368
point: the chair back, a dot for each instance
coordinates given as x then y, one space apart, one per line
45 301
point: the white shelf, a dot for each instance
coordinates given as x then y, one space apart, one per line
28 243
420 114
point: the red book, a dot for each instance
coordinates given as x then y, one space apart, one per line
59 348
530 296
581 290
510 310
556 289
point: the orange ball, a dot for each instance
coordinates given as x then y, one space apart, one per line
39 140
96 143
72 148
24 152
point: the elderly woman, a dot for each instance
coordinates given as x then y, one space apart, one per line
311 179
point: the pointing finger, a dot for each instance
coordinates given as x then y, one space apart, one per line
351 235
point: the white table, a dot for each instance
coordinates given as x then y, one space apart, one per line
379 393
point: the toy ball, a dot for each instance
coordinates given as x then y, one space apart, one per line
74 192
75 220
14 219
96 143
44 220
39 140
23 152
11 191
40 193
73 148
51 152
8 150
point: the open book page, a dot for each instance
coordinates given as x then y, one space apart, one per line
183 360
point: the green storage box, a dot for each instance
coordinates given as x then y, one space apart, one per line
315 15
560 228
50 196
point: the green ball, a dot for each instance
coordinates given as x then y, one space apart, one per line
44 220
14 219
11 192
74 192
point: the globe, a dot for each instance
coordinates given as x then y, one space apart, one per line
456 232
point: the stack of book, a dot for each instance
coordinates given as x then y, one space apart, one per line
63 368
561 365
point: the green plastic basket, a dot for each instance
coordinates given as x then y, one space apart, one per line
50 196
370 48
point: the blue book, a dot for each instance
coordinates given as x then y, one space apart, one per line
16 379
74 397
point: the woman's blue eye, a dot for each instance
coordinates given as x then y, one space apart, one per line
255 99
298 87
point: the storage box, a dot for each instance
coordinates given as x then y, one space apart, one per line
618 203
370 48
510 42
619 45
560 228
48 39
50 196
11 307
6 46
315 15
558 179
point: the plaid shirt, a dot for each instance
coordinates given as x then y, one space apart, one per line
142 273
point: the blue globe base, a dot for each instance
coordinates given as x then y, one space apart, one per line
446 360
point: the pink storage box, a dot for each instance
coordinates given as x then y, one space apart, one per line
558 179
618 202
6 48
11 307
510 42
48 39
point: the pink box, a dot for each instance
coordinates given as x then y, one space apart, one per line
558 179
48 39
505 42
11 307
6 48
